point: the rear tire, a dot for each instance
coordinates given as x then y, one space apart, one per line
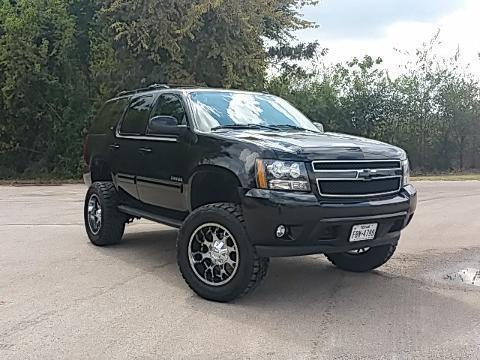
362 261
105 225
215 255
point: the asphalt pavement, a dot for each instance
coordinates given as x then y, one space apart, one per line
63 298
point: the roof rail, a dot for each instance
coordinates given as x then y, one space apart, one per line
159 86
183 86
148 88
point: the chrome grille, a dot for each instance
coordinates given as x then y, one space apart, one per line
358 178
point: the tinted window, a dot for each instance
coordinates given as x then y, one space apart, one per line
109 115
136 117
170 105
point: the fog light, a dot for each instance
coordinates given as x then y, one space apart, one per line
281 231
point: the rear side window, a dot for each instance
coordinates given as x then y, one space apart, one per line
136 118
108 117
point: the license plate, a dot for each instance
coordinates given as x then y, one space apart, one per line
363 232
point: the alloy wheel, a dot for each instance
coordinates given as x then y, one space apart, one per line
213 254
94 213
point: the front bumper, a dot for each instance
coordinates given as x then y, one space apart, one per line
317 226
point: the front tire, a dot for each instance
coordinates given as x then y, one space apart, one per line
362 260
215 255
104 223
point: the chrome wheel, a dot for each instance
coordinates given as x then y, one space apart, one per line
94 213
213 254
359 251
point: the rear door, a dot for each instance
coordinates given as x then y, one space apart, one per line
127 155
102 132
161 181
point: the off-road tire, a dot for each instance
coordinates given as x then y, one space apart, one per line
113 221
370 260
251 268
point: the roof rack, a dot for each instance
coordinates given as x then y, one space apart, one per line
145 89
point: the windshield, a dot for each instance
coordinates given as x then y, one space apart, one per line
223 109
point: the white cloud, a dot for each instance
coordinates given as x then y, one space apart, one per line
459 28
366 18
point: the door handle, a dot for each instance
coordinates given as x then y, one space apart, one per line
114 146
145 150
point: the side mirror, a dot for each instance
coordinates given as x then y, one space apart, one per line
164 125
319 126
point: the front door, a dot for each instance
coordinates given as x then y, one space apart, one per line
126 150
160 181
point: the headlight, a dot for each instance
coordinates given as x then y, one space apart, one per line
406 172
282 175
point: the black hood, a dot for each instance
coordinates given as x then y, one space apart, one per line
315 146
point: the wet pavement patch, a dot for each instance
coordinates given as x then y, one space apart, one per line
468 276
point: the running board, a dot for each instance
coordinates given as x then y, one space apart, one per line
150 216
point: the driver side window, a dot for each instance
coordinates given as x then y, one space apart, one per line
170 105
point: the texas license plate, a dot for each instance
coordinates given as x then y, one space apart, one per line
363 232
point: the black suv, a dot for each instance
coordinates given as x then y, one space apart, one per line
245 176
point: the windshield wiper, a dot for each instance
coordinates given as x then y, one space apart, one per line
293 127
244 126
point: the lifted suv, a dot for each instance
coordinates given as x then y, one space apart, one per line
245 176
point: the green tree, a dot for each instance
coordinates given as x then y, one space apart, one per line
432 109
213 42
60 59
42 87
460 118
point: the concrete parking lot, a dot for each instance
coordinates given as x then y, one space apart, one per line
62 298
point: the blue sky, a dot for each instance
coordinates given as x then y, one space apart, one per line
356 27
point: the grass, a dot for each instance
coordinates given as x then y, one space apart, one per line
447 177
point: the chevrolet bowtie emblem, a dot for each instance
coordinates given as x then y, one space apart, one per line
366 174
